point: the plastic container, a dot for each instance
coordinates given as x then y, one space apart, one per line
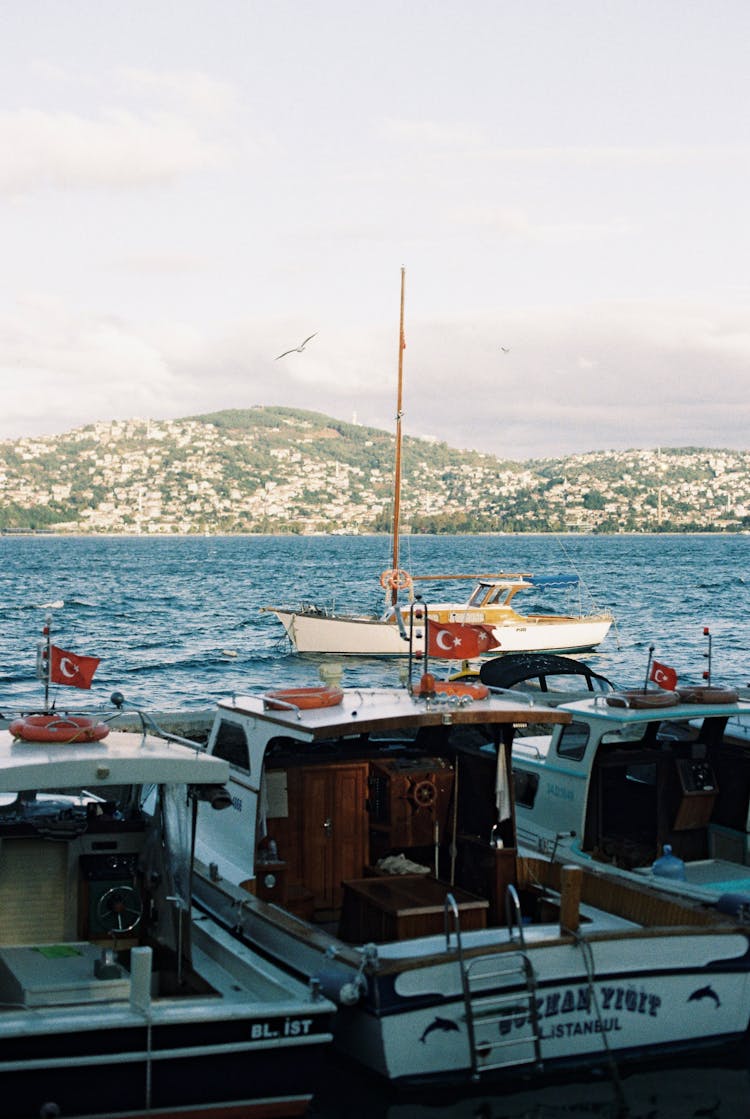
669 865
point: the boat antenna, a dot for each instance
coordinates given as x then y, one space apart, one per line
399 417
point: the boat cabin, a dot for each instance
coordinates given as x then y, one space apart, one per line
619 784
361 817
87 862
498 592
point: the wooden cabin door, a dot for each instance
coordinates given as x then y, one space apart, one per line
334 829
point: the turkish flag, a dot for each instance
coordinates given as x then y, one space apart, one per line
70 668
458 641
663 675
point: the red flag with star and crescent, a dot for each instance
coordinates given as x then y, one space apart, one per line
459 641
71 669
663 675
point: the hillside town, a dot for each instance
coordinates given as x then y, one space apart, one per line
277 470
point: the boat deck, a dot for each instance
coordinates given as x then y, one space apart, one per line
718 875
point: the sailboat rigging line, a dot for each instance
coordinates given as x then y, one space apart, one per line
581 581
399 417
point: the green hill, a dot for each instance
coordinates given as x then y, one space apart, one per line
287 470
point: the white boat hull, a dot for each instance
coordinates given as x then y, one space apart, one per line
623 990
371 637
659 1004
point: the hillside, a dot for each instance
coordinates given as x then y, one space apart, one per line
287 470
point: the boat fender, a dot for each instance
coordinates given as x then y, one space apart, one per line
395 579
324 696
735 905
58 728
347 993
669 865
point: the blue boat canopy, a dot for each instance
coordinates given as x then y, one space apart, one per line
545 581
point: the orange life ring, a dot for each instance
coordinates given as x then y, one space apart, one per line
58 728
395 579
708 693
304 697
429 684
643 699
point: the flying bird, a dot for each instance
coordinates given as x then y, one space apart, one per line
505 349
296 349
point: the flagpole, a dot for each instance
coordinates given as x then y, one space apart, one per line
648 667
48 660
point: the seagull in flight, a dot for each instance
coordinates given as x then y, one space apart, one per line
505 349
296 349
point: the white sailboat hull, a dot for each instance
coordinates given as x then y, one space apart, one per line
346 636
365 636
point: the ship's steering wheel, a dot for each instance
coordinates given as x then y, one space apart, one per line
124 904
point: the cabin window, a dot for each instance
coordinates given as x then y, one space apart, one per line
525 787
231 745
477 596
573 741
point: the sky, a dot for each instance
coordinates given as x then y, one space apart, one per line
188 189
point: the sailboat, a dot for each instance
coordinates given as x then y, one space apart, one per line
402 627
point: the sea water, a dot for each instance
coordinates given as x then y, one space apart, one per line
177 623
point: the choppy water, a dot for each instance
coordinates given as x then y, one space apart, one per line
177 624
177 620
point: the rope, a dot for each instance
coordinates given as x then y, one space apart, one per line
588 960
581 581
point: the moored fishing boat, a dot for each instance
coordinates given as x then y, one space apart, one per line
116 997
371 847
641 770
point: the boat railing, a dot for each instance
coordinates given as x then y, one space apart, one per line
524 744
513 915
516 696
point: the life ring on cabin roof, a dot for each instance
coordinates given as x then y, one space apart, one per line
304 697
708 693
395 579
58 728
640 698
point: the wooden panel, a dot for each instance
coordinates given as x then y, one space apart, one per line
334 829
383 909
350 826
317 825
33 891
408 799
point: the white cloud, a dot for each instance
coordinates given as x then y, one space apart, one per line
541 399
116 149
190 91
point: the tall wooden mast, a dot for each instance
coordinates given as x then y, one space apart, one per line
399 416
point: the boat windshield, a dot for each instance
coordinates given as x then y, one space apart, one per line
489 594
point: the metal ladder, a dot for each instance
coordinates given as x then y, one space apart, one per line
495 1039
